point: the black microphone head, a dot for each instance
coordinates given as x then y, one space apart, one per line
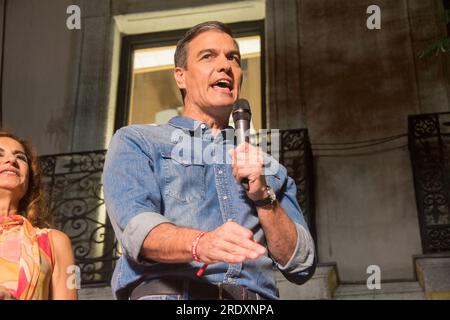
241 110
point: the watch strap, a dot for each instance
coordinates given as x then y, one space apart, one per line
270 199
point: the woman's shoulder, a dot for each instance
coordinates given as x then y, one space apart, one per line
58 237
62 247
56 234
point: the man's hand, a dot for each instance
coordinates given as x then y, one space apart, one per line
247 162
230 243
6 294
279 230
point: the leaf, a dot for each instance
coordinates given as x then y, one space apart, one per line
442 45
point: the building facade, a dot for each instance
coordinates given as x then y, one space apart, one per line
323 69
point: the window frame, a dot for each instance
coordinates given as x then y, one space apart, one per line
168 38
446 5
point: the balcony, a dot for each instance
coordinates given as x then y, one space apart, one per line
429 146
77 204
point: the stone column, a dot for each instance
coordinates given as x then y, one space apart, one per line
94 77
286 107
40 73
2 22
427 24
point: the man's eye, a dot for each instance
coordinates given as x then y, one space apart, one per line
206 56
236 58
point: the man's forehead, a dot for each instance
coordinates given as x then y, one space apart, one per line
209 40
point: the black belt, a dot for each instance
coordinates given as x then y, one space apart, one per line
196 290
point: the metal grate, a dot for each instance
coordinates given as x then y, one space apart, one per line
76 200
296 156
294 152
74 186
429 145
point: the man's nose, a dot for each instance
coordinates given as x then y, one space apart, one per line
223 64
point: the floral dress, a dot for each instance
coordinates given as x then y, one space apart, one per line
26 258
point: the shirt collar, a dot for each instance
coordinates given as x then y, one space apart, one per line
183 122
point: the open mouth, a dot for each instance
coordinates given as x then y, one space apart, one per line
10 172
223 85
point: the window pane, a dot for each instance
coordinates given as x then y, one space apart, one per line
155 97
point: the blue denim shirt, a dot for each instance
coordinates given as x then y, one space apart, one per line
147 182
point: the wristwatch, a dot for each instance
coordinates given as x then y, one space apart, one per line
270 199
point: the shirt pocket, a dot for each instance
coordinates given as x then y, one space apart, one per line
184 180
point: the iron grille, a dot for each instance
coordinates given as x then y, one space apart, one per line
73 182
429 145
77 205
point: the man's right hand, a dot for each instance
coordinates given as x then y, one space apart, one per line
229 243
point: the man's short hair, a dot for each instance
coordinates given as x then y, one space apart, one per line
181 51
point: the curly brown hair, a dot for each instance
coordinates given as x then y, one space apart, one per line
33 204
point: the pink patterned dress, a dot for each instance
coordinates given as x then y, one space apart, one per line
26 258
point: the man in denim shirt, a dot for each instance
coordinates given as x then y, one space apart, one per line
175 199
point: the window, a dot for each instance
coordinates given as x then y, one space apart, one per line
447 14
148 92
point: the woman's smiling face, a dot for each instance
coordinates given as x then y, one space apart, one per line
14 167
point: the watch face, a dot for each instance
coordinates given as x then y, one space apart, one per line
272 194
270 199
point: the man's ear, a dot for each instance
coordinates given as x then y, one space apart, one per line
179 77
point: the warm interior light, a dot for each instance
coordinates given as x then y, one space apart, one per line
153 59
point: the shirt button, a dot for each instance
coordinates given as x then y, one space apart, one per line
225 197
203 126
220 171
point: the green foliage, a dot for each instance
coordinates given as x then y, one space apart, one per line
442 45
439 46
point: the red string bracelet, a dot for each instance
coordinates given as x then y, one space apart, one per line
202 270
195 255
195 245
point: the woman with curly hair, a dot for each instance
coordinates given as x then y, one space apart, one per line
34 260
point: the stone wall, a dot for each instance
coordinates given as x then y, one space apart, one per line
346 83
326 71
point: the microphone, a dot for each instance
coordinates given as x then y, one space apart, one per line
241 117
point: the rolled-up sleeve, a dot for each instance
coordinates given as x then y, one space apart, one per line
301 265
132 193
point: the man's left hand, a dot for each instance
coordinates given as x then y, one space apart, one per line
247 162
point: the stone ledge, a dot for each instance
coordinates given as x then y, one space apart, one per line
433 274
321 286
99 293
389 291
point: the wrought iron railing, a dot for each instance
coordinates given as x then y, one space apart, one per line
74 185
77 204
429 145
295 154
